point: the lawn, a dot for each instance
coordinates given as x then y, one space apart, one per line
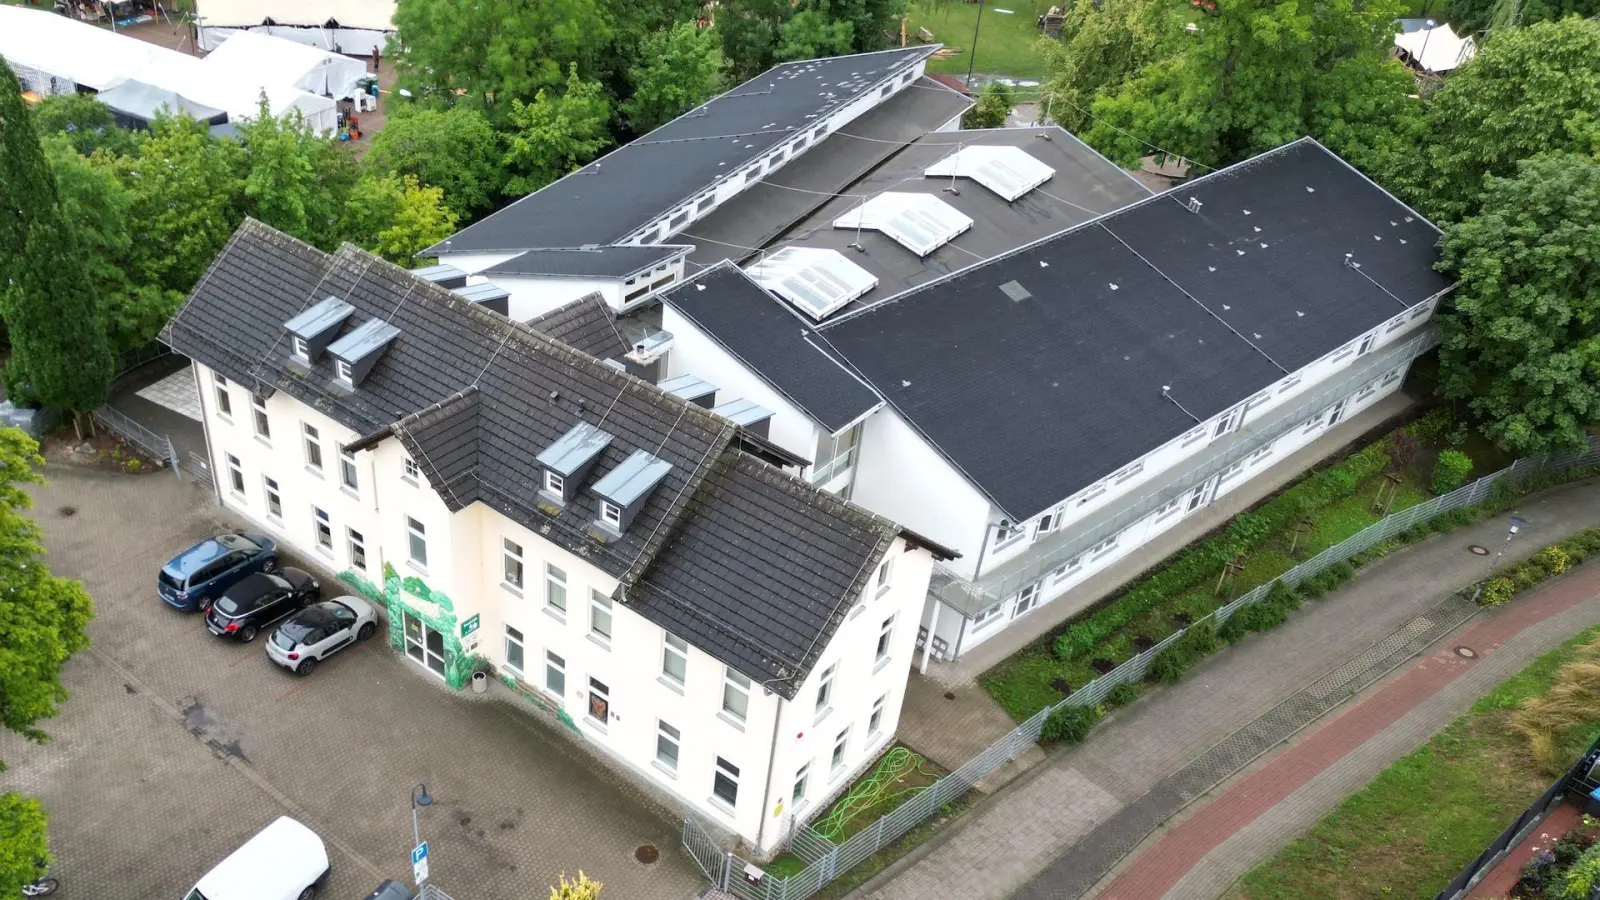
1430 813
1005 42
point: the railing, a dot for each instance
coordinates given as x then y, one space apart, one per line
200 470
974 595
158 446
827 860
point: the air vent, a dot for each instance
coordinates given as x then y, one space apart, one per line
1008 172
816 280
1015 291
921 223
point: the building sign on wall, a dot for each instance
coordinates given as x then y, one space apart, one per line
469 634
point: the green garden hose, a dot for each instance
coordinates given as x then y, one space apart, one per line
875 791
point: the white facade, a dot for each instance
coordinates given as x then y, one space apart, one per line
662 708
535 295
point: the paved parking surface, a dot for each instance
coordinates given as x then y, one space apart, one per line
177 746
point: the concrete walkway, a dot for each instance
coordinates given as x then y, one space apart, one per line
1026 835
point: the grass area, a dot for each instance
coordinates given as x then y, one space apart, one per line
1005 42
1432 812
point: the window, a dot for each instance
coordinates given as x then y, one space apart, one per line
1093 493
1397 324
735 695
1366 344
513 563
342 368
1027 599
323 527
667 746
840 744
347 469
1194 435
885 636
798 795
235 475
1262 453
725 784
1229 421
987 617
555 590
1168 508
1230 471
599 701
1421 311
224 402
1129 472
674 658
610 514
1047 523
301 351
419 542
554 484
1289 385
885 569
274 502
1067 568
1105 546
1391 376
875 721
513 650
555 674
313 448
358 548
411 473
258 406
1005 533
835 455
825 690
600 616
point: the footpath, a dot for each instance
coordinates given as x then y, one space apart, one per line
1059 829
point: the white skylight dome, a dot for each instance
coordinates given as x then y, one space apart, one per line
818 281
922 223
1009 172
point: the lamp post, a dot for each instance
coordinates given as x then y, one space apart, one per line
1517 524
972 58
419 797
1427 35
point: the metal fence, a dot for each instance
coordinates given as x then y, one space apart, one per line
826 860
159 446
200 471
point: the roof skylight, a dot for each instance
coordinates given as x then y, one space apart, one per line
1009 172
922 223
819 281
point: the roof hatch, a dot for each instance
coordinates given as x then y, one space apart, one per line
357 352
691 388
921 223
445 276
486 295
624 490
818 281
1008 172
313 329
747 415
569 459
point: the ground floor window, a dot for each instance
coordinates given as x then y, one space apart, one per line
513 650
667 746
987 617
1027 599
599 701
555 674
725 783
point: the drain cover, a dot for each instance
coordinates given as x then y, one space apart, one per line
1478 549
647 853
66 512
1466 653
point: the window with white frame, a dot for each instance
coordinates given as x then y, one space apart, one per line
1262 453
797 795
674 658
555 674
554 484
1006 532
610 514
418 540
274 499
885 638
1229 421
875 721
1194 435
514 650
224 401
735 694
1393 375
301 351
313 442
410 472
824 691
599 701
725 783
1421 311
885 570
342 370
1168 508
1397 324
835 455
1047 523
1105 546
1366 344
258 410
1289 384
1129 472
1231 471
323 528
555 590
667 739
1067 568
1093 493
358 548
1346 351
987 617
235 475
1027 599
600 616
511 552
347 469
840 745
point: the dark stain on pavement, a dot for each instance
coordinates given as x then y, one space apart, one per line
205 727
129 688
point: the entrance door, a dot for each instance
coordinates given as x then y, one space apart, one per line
424 645
1338 411
1200 496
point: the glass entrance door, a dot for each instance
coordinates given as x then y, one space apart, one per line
424 645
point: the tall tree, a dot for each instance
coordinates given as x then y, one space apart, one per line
25 188
396 216
489 54
85 121
992 108
1102 45
812 34
1520 339
455 150
23 841
758 33
1529 90
1477 16
556 133
749 30
1258 74
294 178
632 23
677 69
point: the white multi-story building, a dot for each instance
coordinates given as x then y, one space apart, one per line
639 566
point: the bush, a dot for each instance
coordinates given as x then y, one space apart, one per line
1235 629
1069 724
1498 591
1429 429
1403 449
1451 471
1122 695
1201 638
1171 664
1553 560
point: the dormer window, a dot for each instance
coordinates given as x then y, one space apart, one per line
567 461
611 514
359 350
624 490
555 484
343 370
301 350
313 330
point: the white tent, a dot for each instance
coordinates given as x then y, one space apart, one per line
1436 49
252 56
343 26
242 100
53 54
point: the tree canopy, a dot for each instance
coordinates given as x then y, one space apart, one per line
556 133
677 69
1102 45
758 33
85 121
294 179
396 216
455 150
992 108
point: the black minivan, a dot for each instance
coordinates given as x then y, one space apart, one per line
195 577
258 601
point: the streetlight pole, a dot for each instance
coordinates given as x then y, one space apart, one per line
419 797
1517 524
1427 35
972 58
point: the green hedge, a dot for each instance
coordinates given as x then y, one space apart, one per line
1069 724
1246 532
1547 563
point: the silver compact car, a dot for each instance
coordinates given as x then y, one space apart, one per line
313 634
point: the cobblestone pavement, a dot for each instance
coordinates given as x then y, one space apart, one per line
177 746
1010 839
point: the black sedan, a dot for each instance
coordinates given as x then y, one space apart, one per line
259 600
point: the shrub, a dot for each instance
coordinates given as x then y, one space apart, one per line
1430 428
1451 471
1403 449
1171 664
1069 724
1122 695
1235 629
1201 639
1248 528
1497 592
1525 575
1553 560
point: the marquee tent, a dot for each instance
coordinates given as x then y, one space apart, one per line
135 104
1436 49
343 26
250 56
53 54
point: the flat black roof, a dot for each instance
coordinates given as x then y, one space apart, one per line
589 262
604 201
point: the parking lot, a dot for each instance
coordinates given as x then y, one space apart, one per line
177 746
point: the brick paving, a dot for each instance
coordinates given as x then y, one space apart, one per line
1140 746
175 747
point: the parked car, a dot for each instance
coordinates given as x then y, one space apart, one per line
284 861
197 576
319 631
392 890
259 600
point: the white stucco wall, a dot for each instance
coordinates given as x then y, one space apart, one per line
536 295
473 263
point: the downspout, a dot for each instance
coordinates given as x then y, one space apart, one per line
205 427
766 793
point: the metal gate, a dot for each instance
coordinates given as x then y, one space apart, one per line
706 852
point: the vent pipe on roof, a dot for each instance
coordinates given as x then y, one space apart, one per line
1194 205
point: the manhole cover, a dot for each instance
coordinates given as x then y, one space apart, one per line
1478 549
1466 653
67 511
647 853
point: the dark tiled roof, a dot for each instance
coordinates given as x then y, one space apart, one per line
593 262
774 342
586 324
764 620
472 397
604 201
1037 399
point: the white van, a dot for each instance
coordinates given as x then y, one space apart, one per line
286 861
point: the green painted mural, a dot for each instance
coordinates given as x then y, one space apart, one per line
459 666
540 701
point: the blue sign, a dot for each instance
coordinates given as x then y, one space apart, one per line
419 863
419 853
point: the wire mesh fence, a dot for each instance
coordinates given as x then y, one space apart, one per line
157 445
826 860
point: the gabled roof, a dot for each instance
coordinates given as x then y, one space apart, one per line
592 262
468 393
606 200
586 324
